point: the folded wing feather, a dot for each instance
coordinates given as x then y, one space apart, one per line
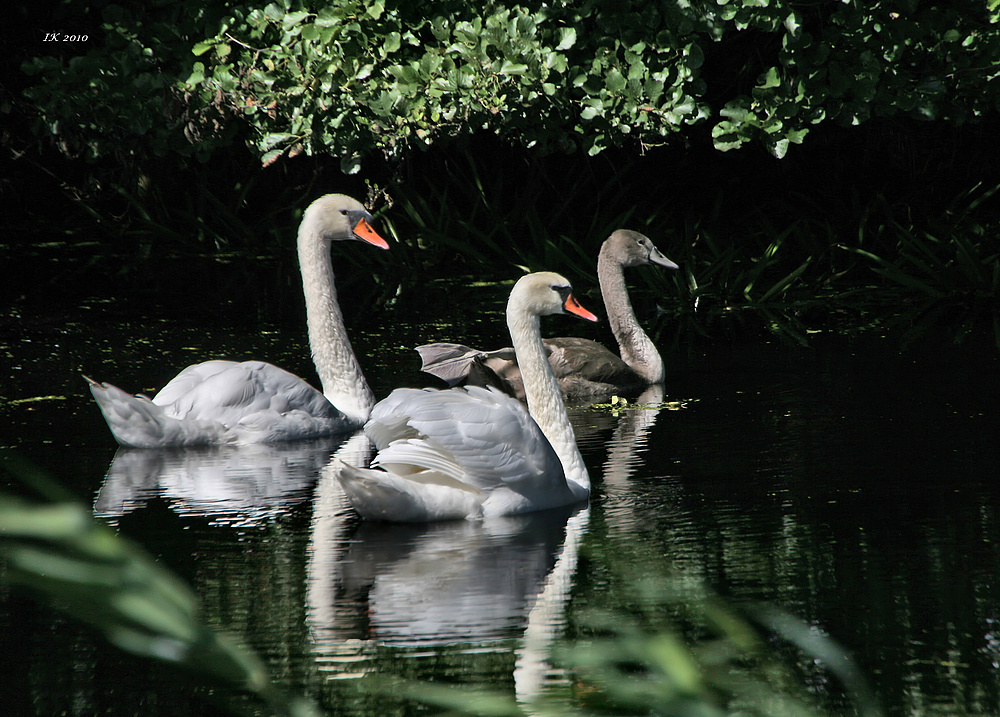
474 435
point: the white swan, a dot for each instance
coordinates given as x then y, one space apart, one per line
586 370
475 452
253 401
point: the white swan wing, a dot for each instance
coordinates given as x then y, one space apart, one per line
478 437
190 379
227 391
222 402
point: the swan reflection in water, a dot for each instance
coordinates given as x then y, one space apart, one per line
478 585
628 440
532 670
474 585
417 585
234 485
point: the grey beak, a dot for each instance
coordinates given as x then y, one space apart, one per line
657 257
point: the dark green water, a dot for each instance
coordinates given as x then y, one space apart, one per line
847 483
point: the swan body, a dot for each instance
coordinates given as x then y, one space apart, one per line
585 369
256 402
475 452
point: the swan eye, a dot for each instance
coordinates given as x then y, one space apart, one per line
564 292
356 215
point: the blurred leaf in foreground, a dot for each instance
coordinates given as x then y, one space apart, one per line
58 551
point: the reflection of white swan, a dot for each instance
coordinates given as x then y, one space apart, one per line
476 452
417 585
332 517
547 617
464 583
256 402
242 485
585 369
532 672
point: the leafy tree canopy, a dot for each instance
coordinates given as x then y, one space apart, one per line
357 77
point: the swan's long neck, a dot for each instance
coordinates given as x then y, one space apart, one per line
545 402
637 349
339 373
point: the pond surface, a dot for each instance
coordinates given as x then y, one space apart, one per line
852 485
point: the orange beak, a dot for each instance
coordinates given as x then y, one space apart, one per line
573 306
363 231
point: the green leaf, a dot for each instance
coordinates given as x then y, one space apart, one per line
793 24
567 38
736 112
771 79
202 47
87 571
797 135
614 80
197 74
512 68
392 42
294 18
330 16
725 137
694 56
50 521
276 138
555 61
673 658
274 11
270 157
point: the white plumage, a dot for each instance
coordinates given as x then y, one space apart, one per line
253 401
476 452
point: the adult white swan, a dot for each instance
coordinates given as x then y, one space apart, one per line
585 369
257 402
475 452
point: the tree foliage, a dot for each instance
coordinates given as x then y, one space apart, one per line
361 76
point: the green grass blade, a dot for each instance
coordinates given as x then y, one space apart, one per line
894 273
787 281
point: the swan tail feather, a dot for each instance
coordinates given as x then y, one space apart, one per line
417 455
137 422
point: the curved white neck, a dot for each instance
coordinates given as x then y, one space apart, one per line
339 373
636 348
545 402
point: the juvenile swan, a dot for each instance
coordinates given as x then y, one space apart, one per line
476 452
256 402
586 370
